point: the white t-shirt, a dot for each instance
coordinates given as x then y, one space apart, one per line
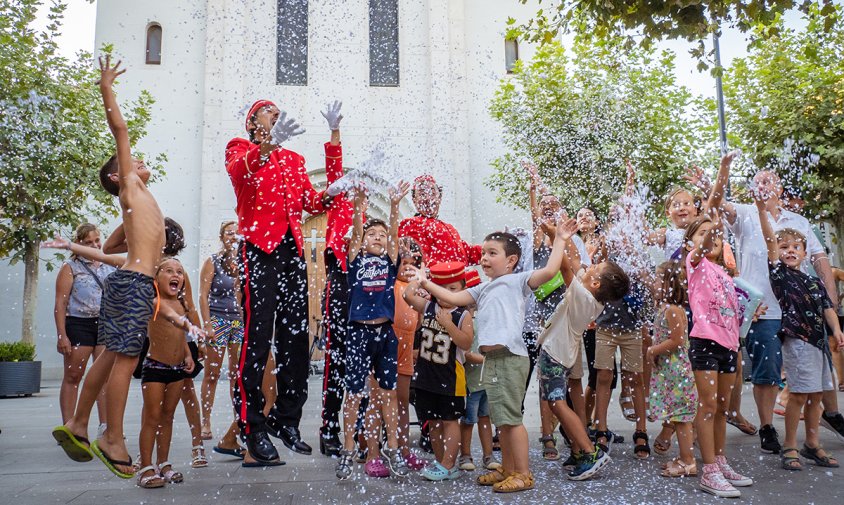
501 311
753 252
564 330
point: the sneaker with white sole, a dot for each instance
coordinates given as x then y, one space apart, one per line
589 464
395 462
713 482
732 476
834 423
490 463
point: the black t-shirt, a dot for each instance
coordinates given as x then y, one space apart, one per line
803 300
438 369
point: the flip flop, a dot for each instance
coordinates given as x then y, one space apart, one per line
745 427
239 453
76 447
109 463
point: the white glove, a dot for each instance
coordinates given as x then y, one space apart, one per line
332 115
341 185
284 129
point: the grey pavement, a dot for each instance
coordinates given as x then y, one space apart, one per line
33 470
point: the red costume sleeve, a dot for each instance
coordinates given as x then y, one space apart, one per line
473 253
243 158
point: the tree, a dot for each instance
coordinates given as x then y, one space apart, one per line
579 117
692 20
786 106
53 139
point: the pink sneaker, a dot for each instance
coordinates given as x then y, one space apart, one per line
713 482
414 462
732 476
376 468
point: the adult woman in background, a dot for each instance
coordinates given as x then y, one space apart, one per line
79 288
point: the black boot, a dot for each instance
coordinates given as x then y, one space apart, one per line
290 437
329 445
262 450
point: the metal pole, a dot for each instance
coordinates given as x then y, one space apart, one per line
719 94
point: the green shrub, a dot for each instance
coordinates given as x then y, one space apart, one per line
17 351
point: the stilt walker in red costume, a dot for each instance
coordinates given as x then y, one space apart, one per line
272 189
439 240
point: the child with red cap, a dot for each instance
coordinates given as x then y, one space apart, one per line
445 334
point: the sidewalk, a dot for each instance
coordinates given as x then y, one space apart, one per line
33 470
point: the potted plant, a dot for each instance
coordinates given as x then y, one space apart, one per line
20 374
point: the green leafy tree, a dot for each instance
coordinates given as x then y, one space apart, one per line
579 116
648 22
53 139
786 108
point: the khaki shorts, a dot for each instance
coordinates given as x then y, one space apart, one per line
504 376
576 371
630 343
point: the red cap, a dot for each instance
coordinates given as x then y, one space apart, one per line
446 273
473 278
254 110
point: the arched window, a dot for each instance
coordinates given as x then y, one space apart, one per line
511 54
154 44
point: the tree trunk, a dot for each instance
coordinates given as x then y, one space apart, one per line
838 238
30 292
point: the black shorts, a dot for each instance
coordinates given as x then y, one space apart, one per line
435 407
81 331
155 371
709 355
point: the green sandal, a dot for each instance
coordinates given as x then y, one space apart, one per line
812 453
110 463
791 463
76 447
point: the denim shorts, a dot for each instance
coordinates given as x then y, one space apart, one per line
371 347
765 351
477 406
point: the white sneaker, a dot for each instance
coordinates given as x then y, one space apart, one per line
732 476
713 482
490 463
466 463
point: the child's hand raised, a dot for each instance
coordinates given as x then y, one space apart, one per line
398 192
697 177
566 227
108 73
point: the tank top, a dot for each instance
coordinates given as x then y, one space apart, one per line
439 368
86 293
222 301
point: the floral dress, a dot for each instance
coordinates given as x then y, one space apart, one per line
673 393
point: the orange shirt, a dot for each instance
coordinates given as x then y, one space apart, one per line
405 319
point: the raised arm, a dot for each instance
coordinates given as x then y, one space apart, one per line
413 298
716 201
535 218
116 123
91 253
698 253
357 224
396 196
767 230
570 262
566 227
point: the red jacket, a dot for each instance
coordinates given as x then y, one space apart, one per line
341 213
439 241
270 196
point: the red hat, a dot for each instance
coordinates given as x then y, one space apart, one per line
254 110
446 273
473 278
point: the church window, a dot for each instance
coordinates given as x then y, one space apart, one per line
154 44
292 43
511 54
383 43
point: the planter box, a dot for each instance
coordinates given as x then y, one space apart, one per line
20 378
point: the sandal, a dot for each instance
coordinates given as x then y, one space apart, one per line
492 478
676 468
744 426
638 448
812 453
549 452
609 436
199 460
238 453
629 412
514 483
206 435
791 463
170 476
841 388
662 446
77 447
111 463
152 481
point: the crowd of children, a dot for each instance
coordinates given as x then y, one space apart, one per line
434 335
